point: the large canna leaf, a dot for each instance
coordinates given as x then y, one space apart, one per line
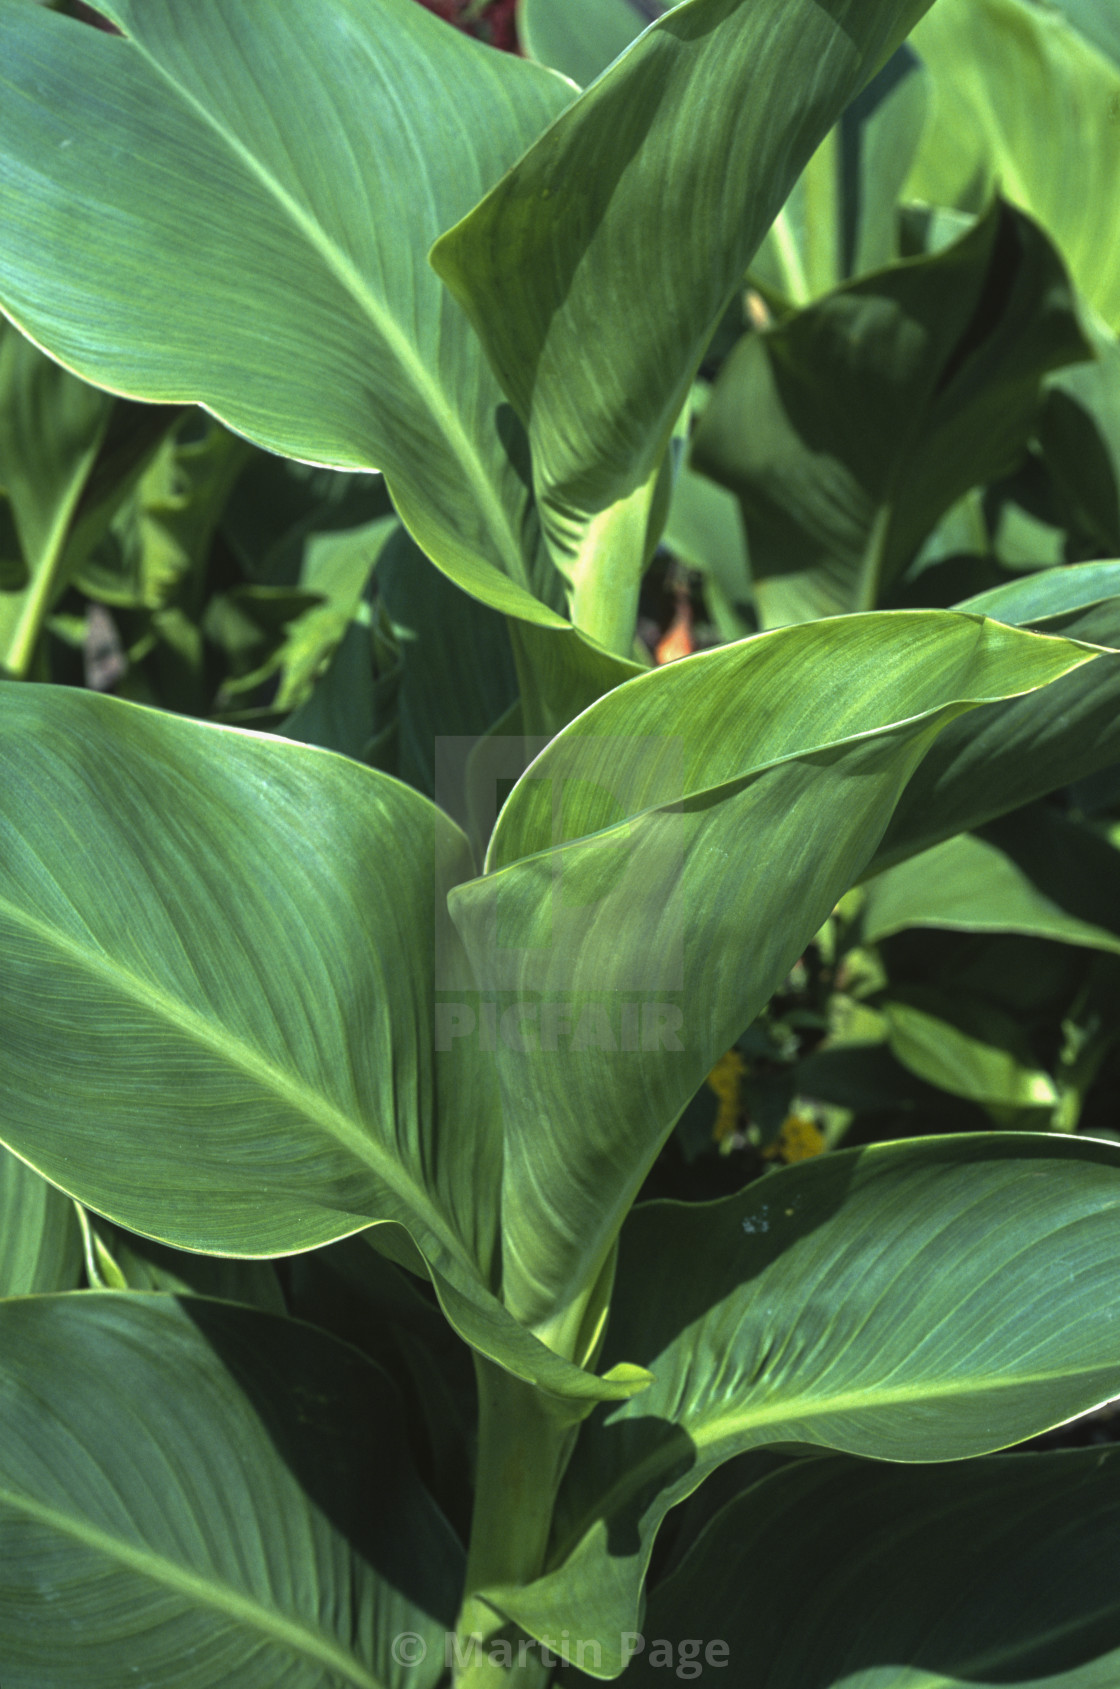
238 212
220 947
198 934
850 428
998 1571
1032 872
595 296
920 1301
1021 99
225 1497
840 218
1007 754
654 876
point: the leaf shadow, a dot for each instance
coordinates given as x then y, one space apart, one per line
335 1420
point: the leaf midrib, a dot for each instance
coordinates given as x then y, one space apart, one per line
287 1087
729 788
608 1502
951 708
402 349
194 1587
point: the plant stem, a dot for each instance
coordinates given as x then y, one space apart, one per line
824 259
523 1448
793 271
870 577
22 625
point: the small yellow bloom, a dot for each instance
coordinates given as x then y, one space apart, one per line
726 1080
798 1138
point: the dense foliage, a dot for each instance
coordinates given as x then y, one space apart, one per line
559 843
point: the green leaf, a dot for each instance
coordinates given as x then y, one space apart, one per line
1079 434
654 876
229 1498
998 1571
40 1244
349 706
159 539
1033 872
1048 594
245 209
848 429
146 1265
859 1074
561 673
879 134
350 1290
969 1048
293 632
234 936
457 668
290 524
1007 754
1023 101
256 628
279 507
51 427
723 102
920 1301
73 461
582 37
199 883
1096 20
154 558
841 218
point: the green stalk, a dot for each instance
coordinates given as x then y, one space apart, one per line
23 615
789 258
870 577
823 261
523 1448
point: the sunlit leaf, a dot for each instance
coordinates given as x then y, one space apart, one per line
203 932
921 1301
723 103
245 207
1022 100
654 876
